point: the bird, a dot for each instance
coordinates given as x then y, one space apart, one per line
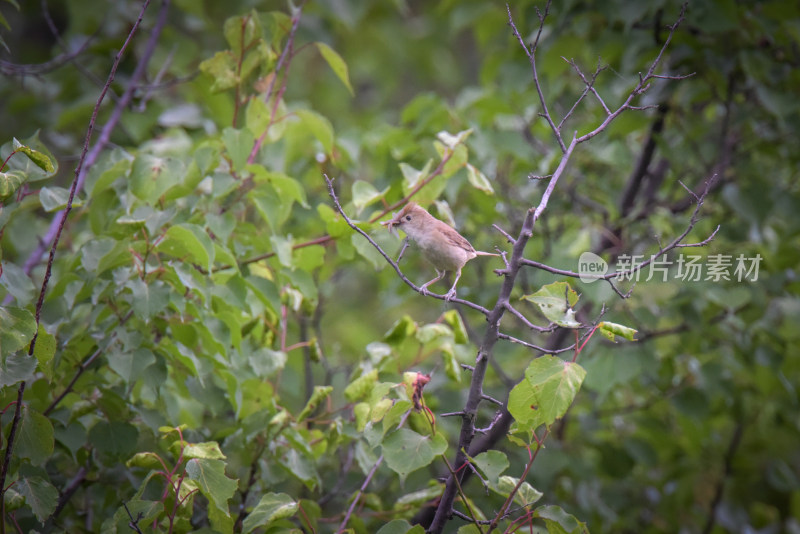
440 243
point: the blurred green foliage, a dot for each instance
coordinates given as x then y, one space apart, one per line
238 353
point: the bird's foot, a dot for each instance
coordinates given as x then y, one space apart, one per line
450 295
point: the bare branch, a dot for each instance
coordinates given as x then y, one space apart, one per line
505 234
618 275
589 88
543 350
532 59
516 313
492 399
675 77
644 82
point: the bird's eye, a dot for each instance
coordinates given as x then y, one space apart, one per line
408 217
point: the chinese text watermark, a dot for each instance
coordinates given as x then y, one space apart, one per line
687 267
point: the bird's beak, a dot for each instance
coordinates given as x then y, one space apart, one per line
391 224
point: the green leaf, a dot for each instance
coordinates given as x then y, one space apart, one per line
364 194
100 255
302 467
275 195
271 507
525 495
242 31
266 362
432 331
491 464
110 167
209 450
34 163
400 526
452 318
452 141
413 176
221 67
479 180
16 368
396 413
116 439
557 301
18 327
146 460
319 126
283 249
366 250
612 330
320 393
44 351
18 284
547 392
257 116
189 242
35 440
148 299
214 483
40 159
336 63
238 144
456 161
11 181
130 364
558 521
39 494
406 451
145 511
401 330
428 493
361 387
151 176
221 523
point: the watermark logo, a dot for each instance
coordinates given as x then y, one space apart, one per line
687 267
591 267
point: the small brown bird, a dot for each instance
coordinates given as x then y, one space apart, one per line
440 244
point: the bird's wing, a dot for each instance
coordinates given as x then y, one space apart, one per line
455 238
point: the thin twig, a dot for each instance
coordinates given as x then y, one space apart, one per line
589 88
532 60
617 275
642 86
516 313
543 350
